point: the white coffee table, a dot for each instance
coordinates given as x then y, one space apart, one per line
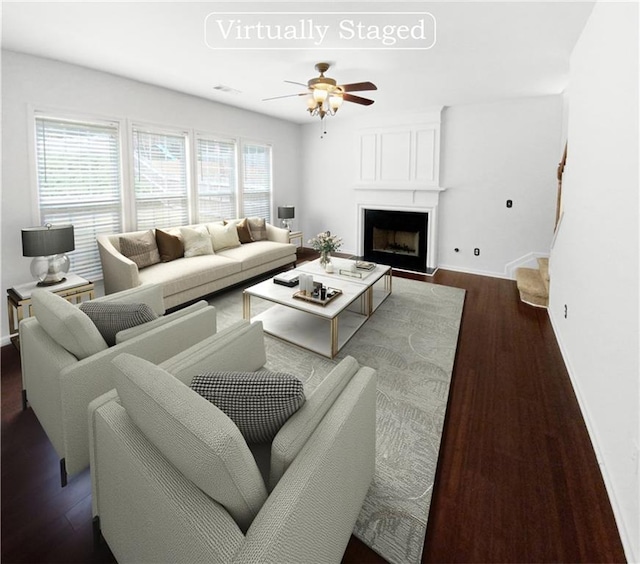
324 329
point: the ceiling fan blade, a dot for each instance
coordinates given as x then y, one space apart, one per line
294 82
358 86
357 99
285 96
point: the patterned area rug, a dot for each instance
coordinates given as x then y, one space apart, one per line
411 340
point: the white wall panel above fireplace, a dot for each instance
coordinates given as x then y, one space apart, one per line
400 157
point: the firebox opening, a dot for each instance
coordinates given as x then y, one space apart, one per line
398 242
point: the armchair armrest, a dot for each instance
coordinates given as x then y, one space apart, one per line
296 431
239 347
311 513
150 294
277 234
91 377
119 272
127 334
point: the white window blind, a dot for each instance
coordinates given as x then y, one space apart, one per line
256 176
160 179
217 179
78 175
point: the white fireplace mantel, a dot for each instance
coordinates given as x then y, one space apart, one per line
432 224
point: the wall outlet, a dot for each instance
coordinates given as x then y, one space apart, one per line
509 203
476 252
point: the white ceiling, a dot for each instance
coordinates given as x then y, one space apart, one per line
485 51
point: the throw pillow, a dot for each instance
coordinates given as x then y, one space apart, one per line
242 226
111 317
259 403
223 236
141 248
170 246
197 241
258 228
66 324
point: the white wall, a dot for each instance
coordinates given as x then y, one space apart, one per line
489 153
594 262
42 83
492 153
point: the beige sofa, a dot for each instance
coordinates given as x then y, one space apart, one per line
187 279
217 499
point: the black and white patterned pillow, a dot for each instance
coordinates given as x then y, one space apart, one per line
259 403
111 317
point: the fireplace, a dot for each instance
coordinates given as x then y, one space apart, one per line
396 238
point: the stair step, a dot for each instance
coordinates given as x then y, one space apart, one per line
543 265
534 290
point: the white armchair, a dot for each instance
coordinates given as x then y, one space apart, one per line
59 384
174 481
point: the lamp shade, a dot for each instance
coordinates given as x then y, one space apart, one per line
47 240
286 212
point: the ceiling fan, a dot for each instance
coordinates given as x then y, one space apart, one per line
325 95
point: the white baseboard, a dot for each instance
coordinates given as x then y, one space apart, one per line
622 529
474 271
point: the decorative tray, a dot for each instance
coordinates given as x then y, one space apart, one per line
330 297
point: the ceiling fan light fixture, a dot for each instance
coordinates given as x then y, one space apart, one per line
320 95
324 96
335 101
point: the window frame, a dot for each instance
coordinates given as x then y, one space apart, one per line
34 114
208 136
241 180
130 188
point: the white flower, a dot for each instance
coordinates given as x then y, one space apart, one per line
325 242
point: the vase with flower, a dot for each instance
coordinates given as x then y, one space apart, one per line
326 244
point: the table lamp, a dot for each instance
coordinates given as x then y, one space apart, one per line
286 214
48 245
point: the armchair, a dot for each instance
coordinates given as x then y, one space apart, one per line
149 500
59 384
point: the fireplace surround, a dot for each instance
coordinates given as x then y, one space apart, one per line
403 258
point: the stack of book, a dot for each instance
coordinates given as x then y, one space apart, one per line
364 265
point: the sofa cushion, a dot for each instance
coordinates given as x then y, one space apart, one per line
112 317
242 227
197 241
170 246
193 434
181 275
258 253
259 403
67 325
223 236
140 248
258 228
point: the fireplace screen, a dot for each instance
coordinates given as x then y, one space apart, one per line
396 242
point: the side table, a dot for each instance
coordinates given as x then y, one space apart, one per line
74 289
293 235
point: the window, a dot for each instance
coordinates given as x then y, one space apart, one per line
78 175
256 176
216 179
160 180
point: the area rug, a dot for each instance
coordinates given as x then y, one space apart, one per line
411 341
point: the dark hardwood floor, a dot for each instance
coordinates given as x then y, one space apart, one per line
517 477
